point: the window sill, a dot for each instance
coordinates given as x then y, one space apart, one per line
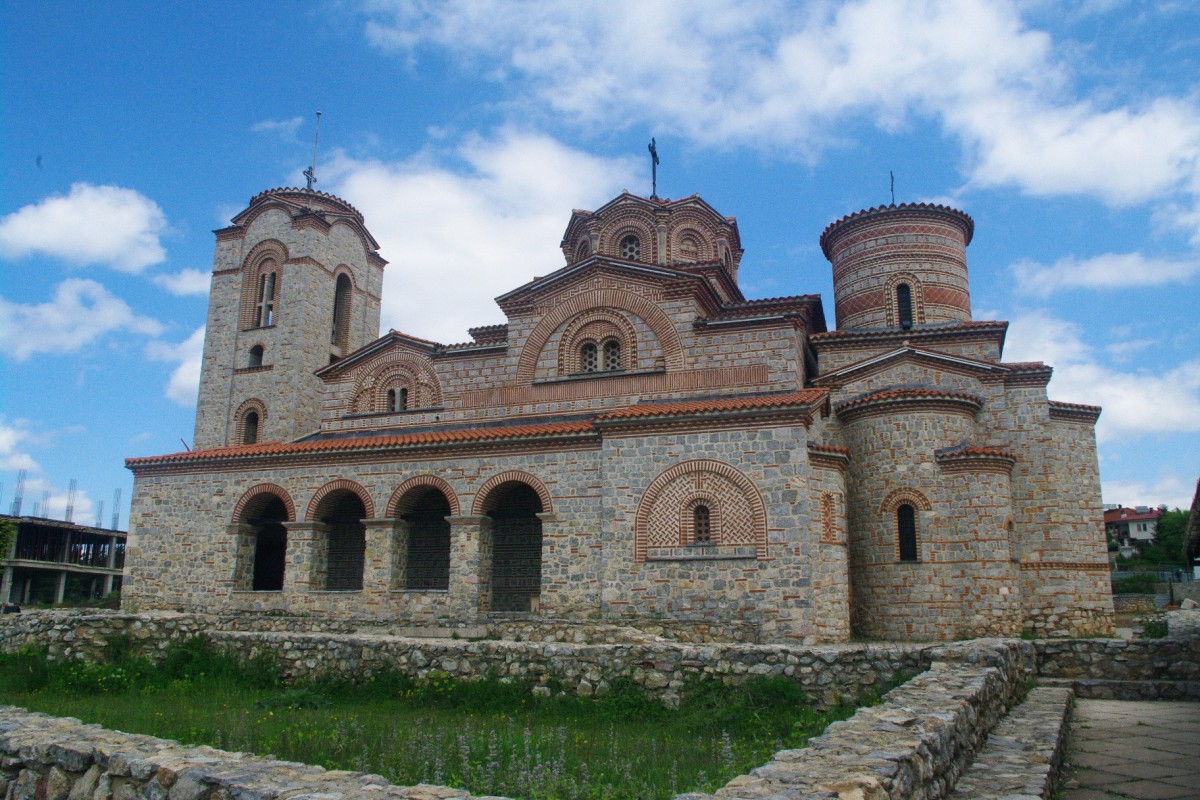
703 552
419 591
258 591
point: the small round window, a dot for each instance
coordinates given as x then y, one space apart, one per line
631 248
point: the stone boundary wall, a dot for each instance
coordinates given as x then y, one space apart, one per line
1024 754
829 673
60 758
1117 669
914 745
1134 604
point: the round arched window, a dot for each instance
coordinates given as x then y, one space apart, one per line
631 247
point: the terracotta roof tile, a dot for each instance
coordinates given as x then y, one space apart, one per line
970 451
430 438
909 332
1074 407
881 210
829 448
806 397
907 393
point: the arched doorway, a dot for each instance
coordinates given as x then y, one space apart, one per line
516 547
262 545
427 561
270 546
346 541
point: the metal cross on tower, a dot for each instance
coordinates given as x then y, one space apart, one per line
653 170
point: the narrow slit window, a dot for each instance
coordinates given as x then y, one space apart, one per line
266 300
588 359
391 401
702 525
904 305
906 532
402 400
612 355
250 428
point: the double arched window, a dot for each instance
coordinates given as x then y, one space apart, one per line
264 308
397 400
603 357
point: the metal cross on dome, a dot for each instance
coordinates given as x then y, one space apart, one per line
653 170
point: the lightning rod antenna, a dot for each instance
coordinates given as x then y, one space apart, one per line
311 172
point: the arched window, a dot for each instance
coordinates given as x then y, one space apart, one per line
631 247
264 309
906 531
391 400
402 400
250 427
583 250
589 361
702 525
612 355
340 336
904 305
256 356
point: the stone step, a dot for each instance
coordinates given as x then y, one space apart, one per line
1022 756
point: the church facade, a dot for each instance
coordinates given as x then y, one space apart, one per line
638 443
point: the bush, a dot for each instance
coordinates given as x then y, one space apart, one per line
26 670
1139 584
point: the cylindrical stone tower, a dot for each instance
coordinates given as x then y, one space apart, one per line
900 266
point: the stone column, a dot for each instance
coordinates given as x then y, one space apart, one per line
307 543
556 562
6 585
243 536
379 562
60 588
470 567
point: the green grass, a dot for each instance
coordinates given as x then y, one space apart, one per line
489 736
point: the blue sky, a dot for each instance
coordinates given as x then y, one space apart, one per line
467 131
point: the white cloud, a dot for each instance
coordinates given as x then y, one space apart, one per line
14 435
286 128
81 311
787 76
185 282
1173 491
457 239
90 225
184 384
1134 402
1107 271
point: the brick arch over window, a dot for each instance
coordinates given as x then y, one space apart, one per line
584 248
916 298
598 326
396 371
618 231
690 243
409 492
241 417
268 255
614 299
737 507
325 499
898 497
256 497
484 496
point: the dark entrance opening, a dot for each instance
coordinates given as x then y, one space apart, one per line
427 565
347 543
270 547
516 548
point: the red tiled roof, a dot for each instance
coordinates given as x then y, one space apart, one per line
430 438
973 450
804 397
1075 407
881 210
1024 366
280 191
1131 515
909 332
907 393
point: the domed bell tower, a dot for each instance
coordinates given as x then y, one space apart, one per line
296 285
900 266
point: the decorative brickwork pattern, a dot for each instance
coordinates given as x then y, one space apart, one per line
245 424
267 257
322 502
407 492
255 498
665 518
484 496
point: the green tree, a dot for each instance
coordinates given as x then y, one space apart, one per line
1166 550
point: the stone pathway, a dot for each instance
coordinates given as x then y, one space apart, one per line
1140 750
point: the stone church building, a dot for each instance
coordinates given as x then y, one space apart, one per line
639 443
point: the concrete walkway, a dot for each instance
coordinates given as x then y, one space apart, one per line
1141 750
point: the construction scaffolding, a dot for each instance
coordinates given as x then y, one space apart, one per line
52 561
